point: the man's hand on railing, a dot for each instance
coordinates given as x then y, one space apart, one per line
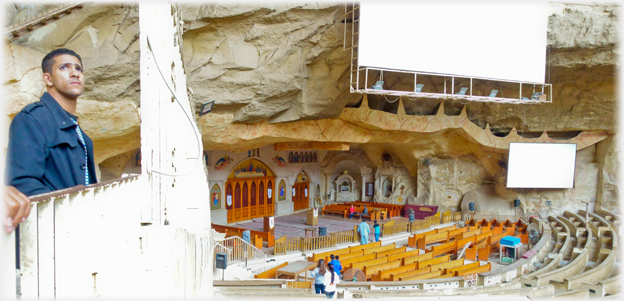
17 208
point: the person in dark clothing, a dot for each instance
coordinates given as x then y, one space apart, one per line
47 149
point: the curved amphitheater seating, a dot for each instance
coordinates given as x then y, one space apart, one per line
573 217
601 288
610 218
561 234
579 259
571 276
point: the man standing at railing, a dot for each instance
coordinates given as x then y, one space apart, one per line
47 149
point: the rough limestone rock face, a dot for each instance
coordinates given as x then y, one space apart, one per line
487 202
278 62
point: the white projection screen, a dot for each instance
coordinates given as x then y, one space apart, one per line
485 39
541 165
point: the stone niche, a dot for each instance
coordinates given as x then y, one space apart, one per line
393 184
443 182
345 188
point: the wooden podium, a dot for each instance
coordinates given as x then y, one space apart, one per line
312 217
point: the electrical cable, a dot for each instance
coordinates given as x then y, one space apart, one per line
195 130
393 100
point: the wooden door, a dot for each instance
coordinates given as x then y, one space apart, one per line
245 207
261 198
237 202
253 197
230 211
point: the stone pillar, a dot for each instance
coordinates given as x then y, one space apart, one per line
607 197
366 177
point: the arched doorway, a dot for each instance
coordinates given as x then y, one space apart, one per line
249 191
301 192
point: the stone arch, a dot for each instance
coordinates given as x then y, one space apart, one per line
357 155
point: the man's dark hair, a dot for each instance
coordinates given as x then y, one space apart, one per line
48 60
331 256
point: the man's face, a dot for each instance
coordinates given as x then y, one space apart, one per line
66 77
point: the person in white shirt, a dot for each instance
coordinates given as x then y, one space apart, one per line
331 279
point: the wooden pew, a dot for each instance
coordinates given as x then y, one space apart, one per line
490 247
346 256
403 255
337 209
471 252
417 258
380 249
392 252
416 272
270 274
412 241
463 267
469 233
449 247
432 238
477 270
365 247
346 264
391 209
360 265
460 243
369 270
447 265
424 276
453 233
483 236
510 228
433 261
497 227
387 274
322 255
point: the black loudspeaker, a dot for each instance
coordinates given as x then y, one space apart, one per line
516 203
471 206
221 260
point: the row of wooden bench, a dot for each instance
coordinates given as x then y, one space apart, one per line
343 210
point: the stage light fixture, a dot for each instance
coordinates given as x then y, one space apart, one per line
206 107
536 95
419 87
493 93
462 91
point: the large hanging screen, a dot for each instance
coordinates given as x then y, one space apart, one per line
541 165
480 39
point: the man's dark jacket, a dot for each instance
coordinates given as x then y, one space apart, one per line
44 152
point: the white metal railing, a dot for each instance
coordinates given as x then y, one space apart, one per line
239 250
545 89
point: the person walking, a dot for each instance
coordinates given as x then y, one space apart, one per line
364 229
330 281
319 276
377 231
